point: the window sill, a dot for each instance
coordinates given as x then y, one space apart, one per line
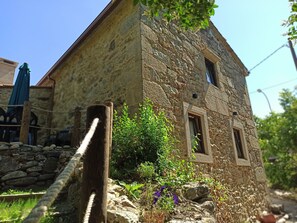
215 87
202 158
243 162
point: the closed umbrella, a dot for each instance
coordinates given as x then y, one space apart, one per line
21 88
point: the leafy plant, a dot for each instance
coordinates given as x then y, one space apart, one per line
142 138
133 189
278 141
165 199
187 13
146 170
17 210
291 21
145 149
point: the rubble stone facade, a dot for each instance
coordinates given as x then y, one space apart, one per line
126 57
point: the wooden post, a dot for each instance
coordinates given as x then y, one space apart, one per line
75 138
293 53
110 104
96 165
25 123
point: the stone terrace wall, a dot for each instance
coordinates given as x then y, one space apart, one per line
173 70
40 97
106 66
25 166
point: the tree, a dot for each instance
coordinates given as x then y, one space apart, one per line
189 14
292 21
278 141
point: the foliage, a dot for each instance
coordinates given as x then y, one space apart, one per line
278 141
16 211
14 191
165 199
291 21
146 170
217 190
133 189
145 150
220 194
187 13
143 138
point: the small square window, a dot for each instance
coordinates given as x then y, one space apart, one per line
238 143
196 134
210 72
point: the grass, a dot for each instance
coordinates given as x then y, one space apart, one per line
14 192
17 210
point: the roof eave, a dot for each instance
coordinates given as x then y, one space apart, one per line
98 20
229 48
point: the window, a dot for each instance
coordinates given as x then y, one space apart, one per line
210 72
197 136
239 144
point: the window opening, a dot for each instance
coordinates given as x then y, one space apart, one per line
210 72
196 134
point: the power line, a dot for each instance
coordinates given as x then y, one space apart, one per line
267 57
276 85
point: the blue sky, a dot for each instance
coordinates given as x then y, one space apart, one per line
39 32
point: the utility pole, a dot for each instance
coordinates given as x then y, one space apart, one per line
293 53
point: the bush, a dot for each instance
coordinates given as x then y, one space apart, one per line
142 138
144 149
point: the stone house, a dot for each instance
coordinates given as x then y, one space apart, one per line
195 77
7 69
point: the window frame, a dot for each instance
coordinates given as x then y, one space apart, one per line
245 160
191 110
197 130
210 72
210 56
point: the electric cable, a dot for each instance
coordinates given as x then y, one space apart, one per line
276 85
266 58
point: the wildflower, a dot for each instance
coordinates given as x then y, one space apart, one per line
166 193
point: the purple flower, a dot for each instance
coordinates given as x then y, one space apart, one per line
158 194
175 199
161 192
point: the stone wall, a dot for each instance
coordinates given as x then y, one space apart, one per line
106 66
173 69
25 166
40 98
128 57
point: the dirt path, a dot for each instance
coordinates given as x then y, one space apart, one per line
290 206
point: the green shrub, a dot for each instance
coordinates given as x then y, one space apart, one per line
146 171
133 189
142 138
144 149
